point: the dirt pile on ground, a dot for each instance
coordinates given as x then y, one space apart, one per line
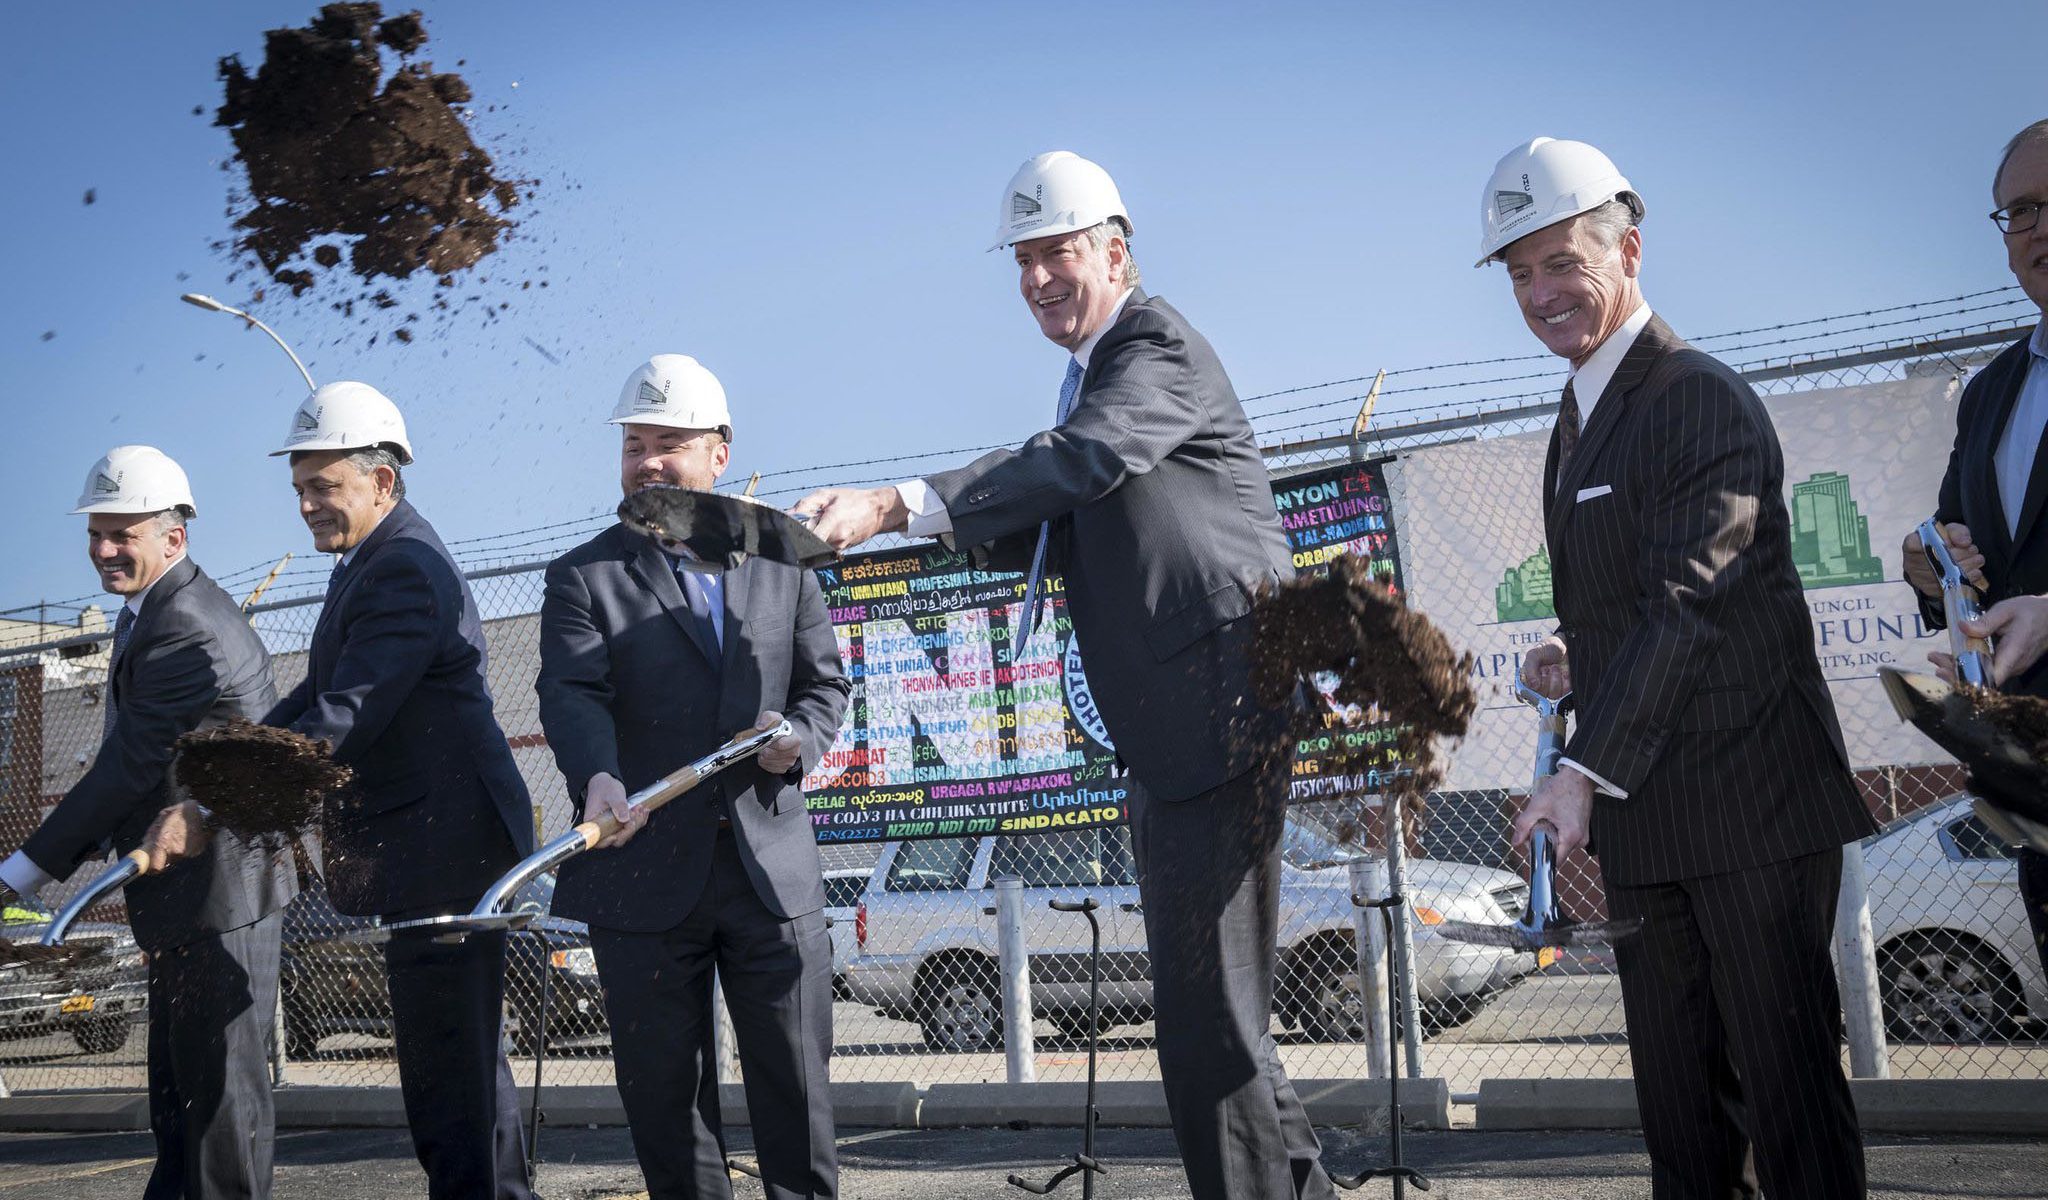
1390 664
349 162
255 779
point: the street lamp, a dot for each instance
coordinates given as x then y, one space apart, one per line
212 305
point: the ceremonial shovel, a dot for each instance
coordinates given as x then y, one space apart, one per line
1959 603
490 912
724 529
2009 784
1541 927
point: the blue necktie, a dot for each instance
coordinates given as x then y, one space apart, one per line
123 626
1069 388
334 580
698 589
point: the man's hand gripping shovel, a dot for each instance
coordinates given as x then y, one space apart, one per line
1541 927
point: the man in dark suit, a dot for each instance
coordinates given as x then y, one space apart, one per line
395 682
183 658
1149 494
648 662
1996 487
1704 726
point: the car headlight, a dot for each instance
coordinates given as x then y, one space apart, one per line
581 961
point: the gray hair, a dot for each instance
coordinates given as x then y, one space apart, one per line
2037 132
370 458
169 519
1116 227
1610 222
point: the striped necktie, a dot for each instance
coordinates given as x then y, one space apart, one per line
1069 388
123 626
1567 426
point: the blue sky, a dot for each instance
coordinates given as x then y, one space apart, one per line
800 195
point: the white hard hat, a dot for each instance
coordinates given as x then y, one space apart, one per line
676 391
347 416
1542 183
1057 192
136 479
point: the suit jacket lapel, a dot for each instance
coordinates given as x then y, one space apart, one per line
738 591
657 574
177 575
1652 343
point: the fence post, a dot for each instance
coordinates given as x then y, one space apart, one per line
1020 1047
726 1051
1404 940
277 1040
1856 967
1369 882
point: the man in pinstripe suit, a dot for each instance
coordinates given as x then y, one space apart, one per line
1707 770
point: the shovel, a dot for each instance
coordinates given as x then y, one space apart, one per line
2005 776
1959 603
723 529
1541 927
113 879
491 915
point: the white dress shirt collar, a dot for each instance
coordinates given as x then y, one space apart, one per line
1590 380
349 555
1088 347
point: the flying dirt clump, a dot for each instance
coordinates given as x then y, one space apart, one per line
334 149
256 779
1390 664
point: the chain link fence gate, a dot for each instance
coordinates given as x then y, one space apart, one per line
917 967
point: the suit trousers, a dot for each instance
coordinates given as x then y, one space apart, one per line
1734 1028
212 1014
1209 877
2033 867
777 977
447 1020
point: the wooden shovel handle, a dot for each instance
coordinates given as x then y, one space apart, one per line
140 858
674 784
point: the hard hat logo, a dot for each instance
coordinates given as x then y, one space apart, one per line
307 421
651 396
1056 193
105 485
1510 203
1022 206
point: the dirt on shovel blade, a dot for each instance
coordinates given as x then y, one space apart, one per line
332 148
258 780
2024 718
1390 663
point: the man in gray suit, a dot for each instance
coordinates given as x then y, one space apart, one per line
183 658
647 662
1149 494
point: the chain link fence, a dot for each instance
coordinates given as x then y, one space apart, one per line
917 960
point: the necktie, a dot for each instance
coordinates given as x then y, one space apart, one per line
334 578
700 590
1069 388
1567 426
123 626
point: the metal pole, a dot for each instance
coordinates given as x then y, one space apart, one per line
1856 967
277 1051
1020 1048
212 305
725 1052
1404 940
1369 882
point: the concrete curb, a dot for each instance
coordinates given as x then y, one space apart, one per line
75 1112
1924 1106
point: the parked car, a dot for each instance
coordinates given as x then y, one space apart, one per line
333 983
1955 958
926 949
843 888
97 1001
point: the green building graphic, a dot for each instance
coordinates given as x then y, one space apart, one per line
1524 592
1830 537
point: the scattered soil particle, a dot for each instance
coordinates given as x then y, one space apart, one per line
332 147
91 195
257 779
1390 664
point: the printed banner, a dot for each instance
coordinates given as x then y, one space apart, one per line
949 734
1862 465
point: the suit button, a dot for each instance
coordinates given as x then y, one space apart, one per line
983 494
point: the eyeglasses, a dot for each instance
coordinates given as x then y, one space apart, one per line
2018 218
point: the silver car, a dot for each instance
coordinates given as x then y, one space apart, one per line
926 937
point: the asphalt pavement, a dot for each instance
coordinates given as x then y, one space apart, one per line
944 1164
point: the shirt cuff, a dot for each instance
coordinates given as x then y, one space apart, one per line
21 873
1598 783
928 515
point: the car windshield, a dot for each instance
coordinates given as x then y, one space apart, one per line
1306 849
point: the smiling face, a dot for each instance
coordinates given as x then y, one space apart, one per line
339 501
1070 283
2025 180
655 454
131 552
1574 289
